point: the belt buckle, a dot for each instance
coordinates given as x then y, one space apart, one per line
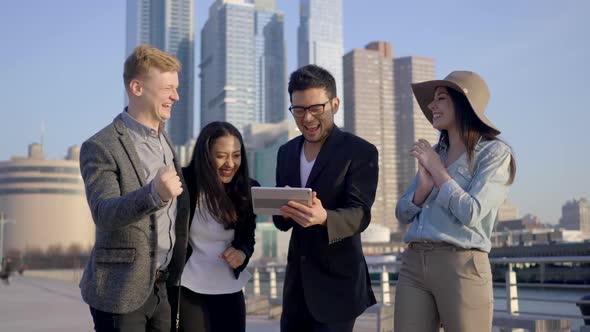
422 245
427 245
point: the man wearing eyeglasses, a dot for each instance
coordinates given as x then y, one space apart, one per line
327 283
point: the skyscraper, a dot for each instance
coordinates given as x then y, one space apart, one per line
411 124
243 63
369 96
320 41
227 64
271 71
168 25
262 141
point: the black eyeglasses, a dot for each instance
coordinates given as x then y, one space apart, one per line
315 110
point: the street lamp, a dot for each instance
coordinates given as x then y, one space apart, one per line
2 222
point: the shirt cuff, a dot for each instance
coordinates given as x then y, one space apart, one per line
411 207
155 196
447 191
406 209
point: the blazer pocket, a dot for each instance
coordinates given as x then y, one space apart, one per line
115 255
344 266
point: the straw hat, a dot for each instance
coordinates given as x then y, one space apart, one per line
468 83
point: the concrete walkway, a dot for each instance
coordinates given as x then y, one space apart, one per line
33 305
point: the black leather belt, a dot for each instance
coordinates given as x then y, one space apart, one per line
161 276
427 245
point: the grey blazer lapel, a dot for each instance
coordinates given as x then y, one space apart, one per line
129 148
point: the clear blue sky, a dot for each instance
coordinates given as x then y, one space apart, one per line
61 65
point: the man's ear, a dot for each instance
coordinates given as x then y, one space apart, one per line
135 88
335 105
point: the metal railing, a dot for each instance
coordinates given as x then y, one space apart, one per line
383 286
511 285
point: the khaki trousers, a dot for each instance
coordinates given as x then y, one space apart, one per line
443 284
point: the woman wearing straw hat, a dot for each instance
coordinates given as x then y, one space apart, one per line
451 207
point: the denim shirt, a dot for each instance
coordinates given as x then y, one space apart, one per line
463 210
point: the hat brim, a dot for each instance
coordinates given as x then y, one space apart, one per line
424 93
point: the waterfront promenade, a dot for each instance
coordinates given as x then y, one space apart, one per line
32 304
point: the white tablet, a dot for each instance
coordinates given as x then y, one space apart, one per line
268 200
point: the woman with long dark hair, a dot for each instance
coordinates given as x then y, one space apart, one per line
221 232
451 207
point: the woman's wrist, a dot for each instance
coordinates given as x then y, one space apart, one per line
421 194
441 177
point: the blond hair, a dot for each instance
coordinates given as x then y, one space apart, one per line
146 57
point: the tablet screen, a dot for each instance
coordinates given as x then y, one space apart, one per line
269 200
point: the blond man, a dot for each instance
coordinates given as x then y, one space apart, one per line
139 206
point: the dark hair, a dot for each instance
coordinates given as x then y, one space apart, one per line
223 201
312 76
471 128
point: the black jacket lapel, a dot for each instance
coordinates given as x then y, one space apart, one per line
326 154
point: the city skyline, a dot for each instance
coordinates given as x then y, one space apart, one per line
62 65
168 25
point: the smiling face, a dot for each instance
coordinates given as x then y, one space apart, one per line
443 110
315 128
226 156
152 95
159 93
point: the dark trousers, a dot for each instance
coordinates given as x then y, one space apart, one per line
298 318
212 313
152 316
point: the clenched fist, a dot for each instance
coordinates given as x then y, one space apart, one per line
167 183
234 257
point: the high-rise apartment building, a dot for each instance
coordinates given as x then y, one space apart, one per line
411 124
168 25
243 73
369 96
320 41
271 60
575 215
227 64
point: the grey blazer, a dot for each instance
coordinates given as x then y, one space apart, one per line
120 273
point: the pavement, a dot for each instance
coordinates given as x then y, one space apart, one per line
35 304
31 304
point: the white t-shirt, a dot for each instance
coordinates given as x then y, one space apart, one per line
305 167
206 272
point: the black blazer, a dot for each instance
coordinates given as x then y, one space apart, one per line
326 263
245 228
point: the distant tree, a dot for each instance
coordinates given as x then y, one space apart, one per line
75 249
54 250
